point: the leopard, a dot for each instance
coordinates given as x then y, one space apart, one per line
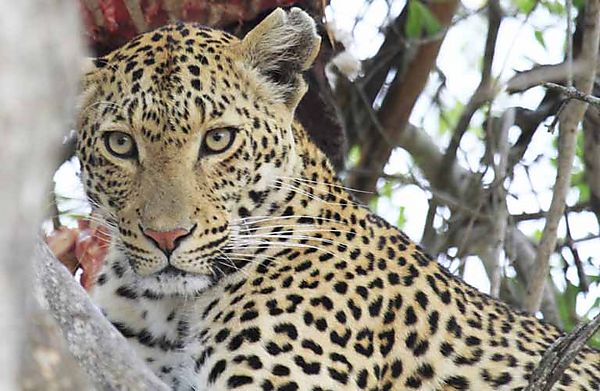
237 258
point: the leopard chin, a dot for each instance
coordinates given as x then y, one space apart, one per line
175 282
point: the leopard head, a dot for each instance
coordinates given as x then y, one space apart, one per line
181 133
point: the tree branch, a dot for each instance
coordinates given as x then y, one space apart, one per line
540 74
569 120
100 349
560 354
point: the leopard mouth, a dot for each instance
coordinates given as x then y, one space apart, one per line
172 271
219 265
174 282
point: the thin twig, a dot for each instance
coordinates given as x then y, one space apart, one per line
586 238
541 214
429 236
486 89
500 210
372 114
569 44
559 111
573 93
570 244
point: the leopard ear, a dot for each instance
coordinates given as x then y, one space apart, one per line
280 48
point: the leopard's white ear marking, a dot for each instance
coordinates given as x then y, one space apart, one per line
280 48
88 65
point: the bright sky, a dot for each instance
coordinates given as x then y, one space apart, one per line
517 49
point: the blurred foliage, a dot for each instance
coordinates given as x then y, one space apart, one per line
420 20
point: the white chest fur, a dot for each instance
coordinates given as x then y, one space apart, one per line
162 330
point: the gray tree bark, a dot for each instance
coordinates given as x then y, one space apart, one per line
99 348
39 41
40 48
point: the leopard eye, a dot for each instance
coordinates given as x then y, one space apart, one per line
120 144
218 140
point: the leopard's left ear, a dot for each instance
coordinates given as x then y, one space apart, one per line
89 70
90 65
280 48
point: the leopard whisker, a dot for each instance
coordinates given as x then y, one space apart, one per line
316 230
314 197
264 244
233 265
313 190
274 259
260 219
334 185
301 237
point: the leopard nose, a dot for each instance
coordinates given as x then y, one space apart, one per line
167 241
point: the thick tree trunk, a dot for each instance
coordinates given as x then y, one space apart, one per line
39 43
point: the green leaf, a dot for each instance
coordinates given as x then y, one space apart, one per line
595 341
401 218
386 190
578 181
584 193
430 22
373 202
413 21
353 155
449 118
555 7
477 131
539 36
419 20
577 178
525 6
593 278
